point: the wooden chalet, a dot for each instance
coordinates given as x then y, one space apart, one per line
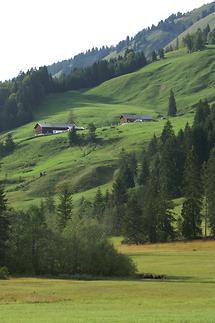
43 128
127 118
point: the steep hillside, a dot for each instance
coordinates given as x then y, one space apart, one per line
84 168
209 20
147 40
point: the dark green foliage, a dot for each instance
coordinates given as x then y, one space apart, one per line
81 249
99 205
211 37
144 173
4 226
191 212
210 190
191 215
101 71
7 146
167 133
20 97
197 41
158 217
73 137
161 53
154 56
4 273
172 109
85 208
133 221
91 133
64 208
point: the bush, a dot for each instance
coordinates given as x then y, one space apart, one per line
88 251
4 273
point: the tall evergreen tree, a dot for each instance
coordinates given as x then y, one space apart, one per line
73 137
172 109
145 172
64 208
133 221
167 132
191 211
98 205
154 56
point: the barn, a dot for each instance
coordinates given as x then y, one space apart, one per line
53 128
127 118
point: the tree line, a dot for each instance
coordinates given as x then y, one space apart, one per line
50 239
55 238
102 70
140 204
20 97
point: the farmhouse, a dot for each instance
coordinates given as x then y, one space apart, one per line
43 128
127 118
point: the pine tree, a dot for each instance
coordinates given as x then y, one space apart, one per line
64 208
4 226
199 43
133 222
154 56
167 132
191 210
98 205
161 53
73 137
144 173
172 109
158 217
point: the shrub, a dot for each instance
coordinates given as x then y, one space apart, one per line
4 273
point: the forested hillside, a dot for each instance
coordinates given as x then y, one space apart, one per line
147 40
86 166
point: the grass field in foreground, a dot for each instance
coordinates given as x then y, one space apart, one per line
187 296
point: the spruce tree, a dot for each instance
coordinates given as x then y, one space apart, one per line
73 137
64 208
161 53
98 205
154 56
172 109
167 132
144 173
133 222
191 210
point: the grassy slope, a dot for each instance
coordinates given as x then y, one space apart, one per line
146 92
209 20
187 296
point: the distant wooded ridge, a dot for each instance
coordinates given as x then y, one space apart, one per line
147 40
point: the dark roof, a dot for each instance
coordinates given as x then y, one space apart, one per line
55 125
136 117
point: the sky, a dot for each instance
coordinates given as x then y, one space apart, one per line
40 32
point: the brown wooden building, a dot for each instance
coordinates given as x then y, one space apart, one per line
52 128
127 118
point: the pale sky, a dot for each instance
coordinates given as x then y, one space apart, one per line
41 32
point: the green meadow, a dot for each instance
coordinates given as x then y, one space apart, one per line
187 295
87 167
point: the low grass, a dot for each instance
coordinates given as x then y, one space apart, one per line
85 168
187 295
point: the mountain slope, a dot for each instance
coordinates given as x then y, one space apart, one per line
147 40
87 167
209 20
